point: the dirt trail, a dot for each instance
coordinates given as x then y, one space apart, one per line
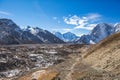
69 77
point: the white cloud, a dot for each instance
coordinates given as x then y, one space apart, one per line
79 35
87 22
55 18
72 20
4 13
93 16
92 25
82 26
62 30
58 21
67 30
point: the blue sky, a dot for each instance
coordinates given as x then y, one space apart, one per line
77 16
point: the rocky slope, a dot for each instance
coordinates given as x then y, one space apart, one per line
10 33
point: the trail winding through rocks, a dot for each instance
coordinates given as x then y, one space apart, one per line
69 77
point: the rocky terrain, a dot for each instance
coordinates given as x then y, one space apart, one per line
96 62
17 60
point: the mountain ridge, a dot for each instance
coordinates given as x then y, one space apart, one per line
11 33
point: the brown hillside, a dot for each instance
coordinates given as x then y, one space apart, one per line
106 54
109 40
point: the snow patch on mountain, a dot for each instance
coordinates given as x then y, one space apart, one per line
117 27
91 42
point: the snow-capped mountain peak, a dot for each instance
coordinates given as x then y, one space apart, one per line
99 32
34 30
117 27
67 37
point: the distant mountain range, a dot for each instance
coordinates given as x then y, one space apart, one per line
10 33
99 32
67 37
